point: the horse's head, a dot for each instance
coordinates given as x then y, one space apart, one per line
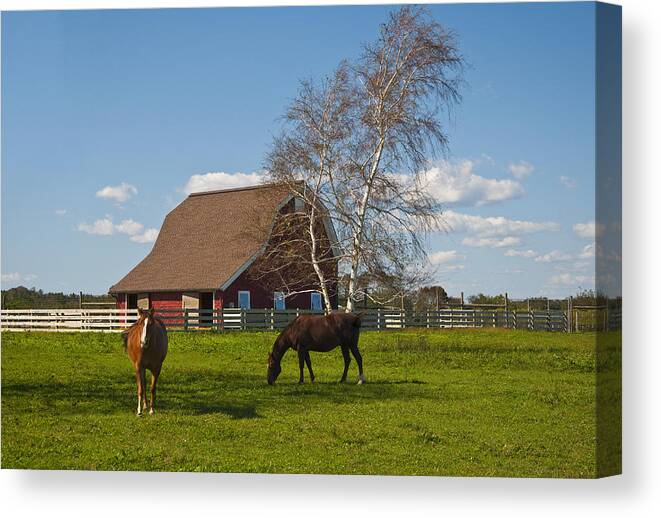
273 371
146 320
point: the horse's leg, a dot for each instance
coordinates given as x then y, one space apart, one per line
359 361
347 361
308 362
138 379
154 379
301 361
143 377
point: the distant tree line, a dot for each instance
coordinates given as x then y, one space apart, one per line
32 298
426 298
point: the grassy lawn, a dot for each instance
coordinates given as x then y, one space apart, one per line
455 402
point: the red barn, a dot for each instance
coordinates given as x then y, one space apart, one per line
206 250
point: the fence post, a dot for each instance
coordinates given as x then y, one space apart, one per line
529 317
185 319
378 319
548 314
272 319
507 312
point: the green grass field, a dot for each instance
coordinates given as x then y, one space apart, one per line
456 402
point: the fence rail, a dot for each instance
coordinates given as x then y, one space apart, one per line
116 320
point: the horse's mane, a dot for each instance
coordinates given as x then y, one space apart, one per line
127 332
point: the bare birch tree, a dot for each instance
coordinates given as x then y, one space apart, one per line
305 158
356 143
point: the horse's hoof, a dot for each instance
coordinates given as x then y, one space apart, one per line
151 411
139 414
361 380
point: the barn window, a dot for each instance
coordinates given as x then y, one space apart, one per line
244 299
278 300
132 301
315 301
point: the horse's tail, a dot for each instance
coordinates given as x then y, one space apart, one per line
359 317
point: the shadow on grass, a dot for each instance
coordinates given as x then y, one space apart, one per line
196 392
81 398
234 412
397 382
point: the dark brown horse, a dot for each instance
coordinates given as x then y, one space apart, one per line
317 333
146 343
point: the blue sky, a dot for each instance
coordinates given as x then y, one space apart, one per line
110 117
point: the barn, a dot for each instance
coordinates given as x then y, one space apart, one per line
206 250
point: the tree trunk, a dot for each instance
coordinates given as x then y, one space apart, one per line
358 235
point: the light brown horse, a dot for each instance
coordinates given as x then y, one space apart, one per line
146 343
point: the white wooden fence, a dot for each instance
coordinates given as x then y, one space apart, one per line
102 320
115 320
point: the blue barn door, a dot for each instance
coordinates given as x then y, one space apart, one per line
315 301
244 299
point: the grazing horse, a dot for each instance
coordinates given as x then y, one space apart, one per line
146 343
317 333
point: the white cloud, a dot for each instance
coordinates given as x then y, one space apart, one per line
148 236
588 251
493 226
101 227
567 279
576 266
491 242
11 277
16 278
446 261
588 230
455 183
61 212
120 193
568 182
129 227
445 256
528 254
553 256
219 181
521 170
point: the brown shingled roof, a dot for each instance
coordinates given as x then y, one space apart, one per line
206 239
